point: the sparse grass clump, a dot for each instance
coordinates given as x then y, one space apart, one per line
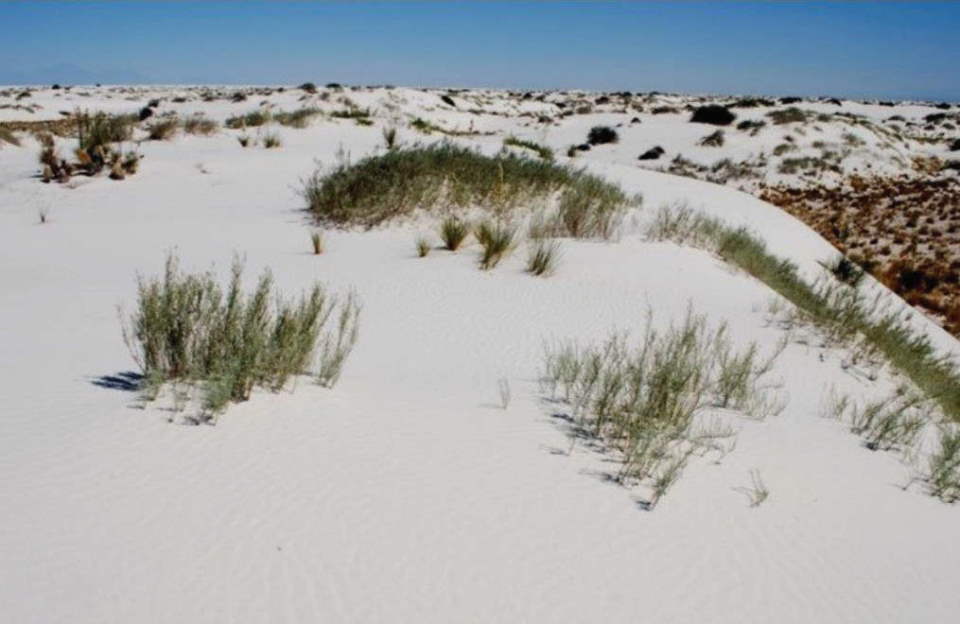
791 114
642 400
163 129
299 118
423 247
845 270
272 140
453 232
841 313
542 151
188 329
713 140
497 240
250 120
199 124
7 136
399 182
99 130
244 140
390 137
543 258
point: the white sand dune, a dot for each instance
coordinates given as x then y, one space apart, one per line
405 494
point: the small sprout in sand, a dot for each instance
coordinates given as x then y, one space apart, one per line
42 214
543 258
316 238
423 247
453 231
271 140
244 140
757 491
503 387
390 137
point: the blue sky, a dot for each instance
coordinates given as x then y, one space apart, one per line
857 49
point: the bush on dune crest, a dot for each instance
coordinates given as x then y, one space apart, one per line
399 182
187 328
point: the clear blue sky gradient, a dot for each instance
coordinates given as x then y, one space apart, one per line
855 49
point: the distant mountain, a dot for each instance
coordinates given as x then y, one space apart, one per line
68 73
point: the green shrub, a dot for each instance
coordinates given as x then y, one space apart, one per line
423 247
98 130
187 329
397 183
599 135
272 140
299 118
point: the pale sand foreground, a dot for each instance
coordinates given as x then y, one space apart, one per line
404 495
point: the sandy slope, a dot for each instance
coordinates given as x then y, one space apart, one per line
405 494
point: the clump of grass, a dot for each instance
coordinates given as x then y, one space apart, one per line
791 114
163 129
299 118
390 137
453 232
7 136
252 119
188 329
944 467
423 246
642 400
272 140
199 124
351 113
841 313
542 151
316 240
497 241
399 182
713 140
599 135
543 258
338 344
757 491
244 140
98 130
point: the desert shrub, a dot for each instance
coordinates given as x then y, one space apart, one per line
751 125
163 129
790 100
272 140
784 148
713 114
642 400
543 257
448 101
842 314
714 139
845 270
788 115
187 328
309 87
250 120
664 110
299 118
400 181
600 135
497 240
199 124
653 153
944 466
244 140
752 102
542 151
453 232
